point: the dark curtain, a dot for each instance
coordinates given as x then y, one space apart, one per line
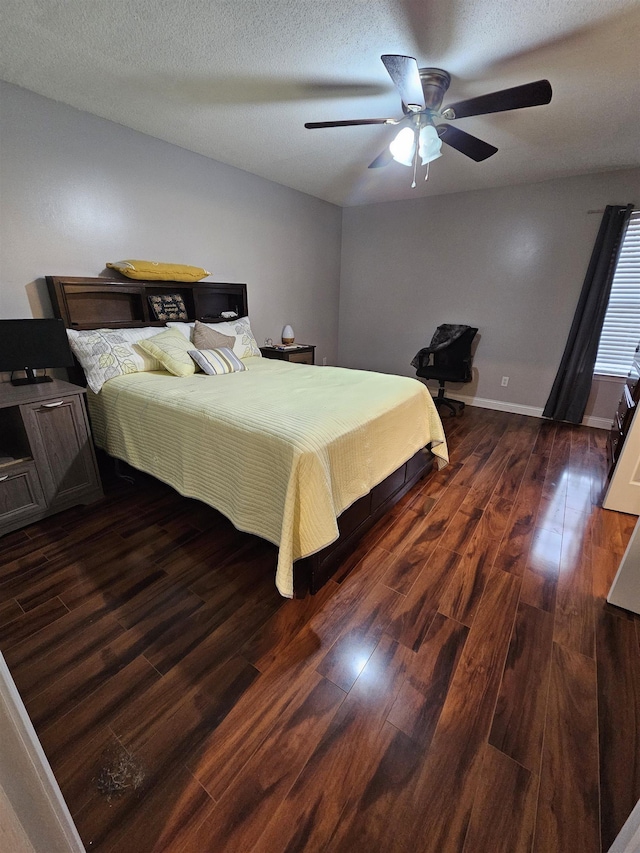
571 387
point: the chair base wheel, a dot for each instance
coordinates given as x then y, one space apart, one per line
455 406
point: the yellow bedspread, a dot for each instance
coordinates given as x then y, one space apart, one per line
280 449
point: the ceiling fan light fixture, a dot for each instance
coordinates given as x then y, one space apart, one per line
422 91
430 144
403 146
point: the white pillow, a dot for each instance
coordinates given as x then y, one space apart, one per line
185 328
105 353
245 344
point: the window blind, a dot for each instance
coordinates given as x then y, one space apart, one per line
621 329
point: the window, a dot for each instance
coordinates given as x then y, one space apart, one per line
621 329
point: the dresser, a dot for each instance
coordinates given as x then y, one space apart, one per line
623 448
47 460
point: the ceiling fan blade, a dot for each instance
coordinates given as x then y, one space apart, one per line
311 125
403 70
529 95
382 159
465 143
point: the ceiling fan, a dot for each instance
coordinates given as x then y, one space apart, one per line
422 91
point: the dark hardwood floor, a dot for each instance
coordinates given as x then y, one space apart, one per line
461 685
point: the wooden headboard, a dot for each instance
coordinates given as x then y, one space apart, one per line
110 303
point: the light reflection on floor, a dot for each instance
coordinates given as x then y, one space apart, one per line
576 483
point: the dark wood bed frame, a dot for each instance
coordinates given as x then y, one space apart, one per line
114 303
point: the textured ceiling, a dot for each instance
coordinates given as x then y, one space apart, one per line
235 80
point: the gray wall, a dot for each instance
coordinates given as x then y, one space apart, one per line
77 191
510 261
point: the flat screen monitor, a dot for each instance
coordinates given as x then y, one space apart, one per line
31 345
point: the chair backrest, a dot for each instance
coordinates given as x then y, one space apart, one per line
457 355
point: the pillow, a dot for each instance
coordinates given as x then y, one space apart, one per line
154 271
171 348
184 328
245 343
105 353
207 337
215 362
168 306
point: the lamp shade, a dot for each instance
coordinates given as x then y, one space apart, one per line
403 146
430 144
287 335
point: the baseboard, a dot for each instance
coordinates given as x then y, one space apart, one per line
531 411
500 406
598 423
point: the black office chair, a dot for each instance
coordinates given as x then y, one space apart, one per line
447 359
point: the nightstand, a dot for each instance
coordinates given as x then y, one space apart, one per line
301 355
47 461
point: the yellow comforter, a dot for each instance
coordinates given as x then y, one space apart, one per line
280 449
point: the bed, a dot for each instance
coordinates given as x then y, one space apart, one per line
305 457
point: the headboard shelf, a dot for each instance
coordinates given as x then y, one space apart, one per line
94 303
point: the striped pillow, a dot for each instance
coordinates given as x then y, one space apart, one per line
217 361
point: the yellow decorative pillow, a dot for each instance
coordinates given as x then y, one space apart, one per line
154 271
171 349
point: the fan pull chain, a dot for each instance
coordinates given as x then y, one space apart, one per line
426 174
415 166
